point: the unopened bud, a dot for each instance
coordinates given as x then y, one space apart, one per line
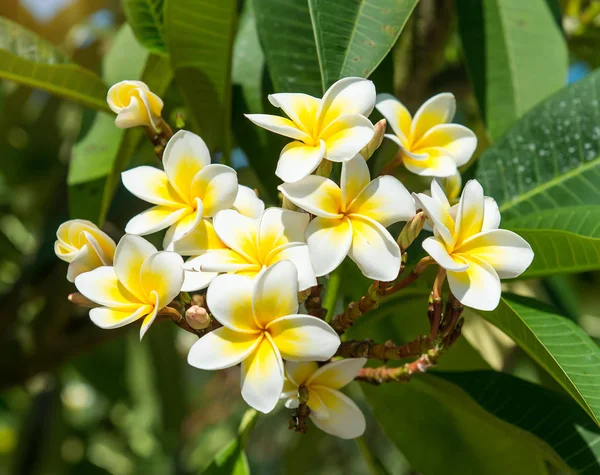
197 317
375 142
324 168
410 231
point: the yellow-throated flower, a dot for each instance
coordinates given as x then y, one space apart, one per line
134 104
330 410
249 245
189 190
260 328
430 145
84 246
351 220
142 282
469 245
335 127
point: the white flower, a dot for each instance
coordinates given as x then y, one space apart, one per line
260 327
84 246
330 410
469 245
351 220
249 245
334 128
430 145
134 104
190 189
142 282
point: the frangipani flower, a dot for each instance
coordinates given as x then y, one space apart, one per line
469 245
134 104
249 245
84 246
260 327
142 282
188 191
430 145
352 220
330 410
335 127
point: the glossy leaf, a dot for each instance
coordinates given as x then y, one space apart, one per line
561 423
288 41
27 59
200 36
146 19
354 36
556 343
516 54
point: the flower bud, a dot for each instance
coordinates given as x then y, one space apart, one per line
134 104
410 231
375 142
197 317
84 246
452 186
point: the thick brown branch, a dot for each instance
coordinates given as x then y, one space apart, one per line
383 351
299 420
354 310
314 303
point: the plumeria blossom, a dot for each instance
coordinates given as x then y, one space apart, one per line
249 245
330 410
260 328
84 246
352 219
431 146
469 245
190 189
335 127
134 104
142 282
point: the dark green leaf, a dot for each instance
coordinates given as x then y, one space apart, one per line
516 54
353 37
548 415
27 59
556 343
146 19
288 41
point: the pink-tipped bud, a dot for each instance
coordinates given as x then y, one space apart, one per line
197 317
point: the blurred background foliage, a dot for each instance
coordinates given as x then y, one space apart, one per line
78 400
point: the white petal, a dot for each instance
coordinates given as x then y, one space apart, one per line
262 377
199 240
152 185
355 177
279 227
221 260
279 125
345 420
458 141
195 280
149 319
491 214
438 194
303 338
337 374
329 242
440 109
453 185
478 287
162 273
292 403
346 136
238 232
248 203
443 224
436 249
85 260
469 217
396 115
350 95
432 161
301 108
276 293
222 348
102 286
155 219
316 194
229 298
217 186
298 372
184 156
130 255
134 115
299 255
109 318
384 200
374 250
184 226
298 160
507 252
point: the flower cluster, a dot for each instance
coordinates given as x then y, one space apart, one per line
251 267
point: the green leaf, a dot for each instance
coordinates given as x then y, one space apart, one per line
353 37
437 425
200 36
146 19
288 41
556 343
516 55
27 59
561 423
